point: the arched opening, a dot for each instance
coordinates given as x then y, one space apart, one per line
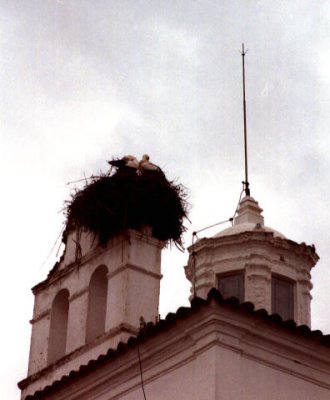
97 303
58 326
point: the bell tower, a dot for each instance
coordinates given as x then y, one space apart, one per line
85 307
255 263
108 278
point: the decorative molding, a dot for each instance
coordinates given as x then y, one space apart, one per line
136 268
42 315
94 253
77 294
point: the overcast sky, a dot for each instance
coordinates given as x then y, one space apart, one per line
83 81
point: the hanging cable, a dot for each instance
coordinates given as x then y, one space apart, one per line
51 251
211 226
140 365
59 246
239 201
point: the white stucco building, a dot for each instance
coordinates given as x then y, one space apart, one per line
96 332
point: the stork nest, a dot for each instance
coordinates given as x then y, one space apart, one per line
109 205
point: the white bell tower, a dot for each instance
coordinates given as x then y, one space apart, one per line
107 281
91 303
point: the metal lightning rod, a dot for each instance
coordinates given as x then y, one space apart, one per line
246 182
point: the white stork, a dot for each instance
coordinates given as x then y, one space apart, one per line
127 161
146 165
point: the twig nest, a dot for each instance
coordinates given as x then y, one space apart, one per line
109 205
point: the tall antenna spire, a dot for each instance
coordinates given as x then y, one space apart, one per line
246 182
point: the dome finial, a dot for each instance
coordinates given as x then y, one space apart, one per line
249 211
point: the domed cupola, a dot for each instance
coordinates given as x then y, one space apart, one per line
255 263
